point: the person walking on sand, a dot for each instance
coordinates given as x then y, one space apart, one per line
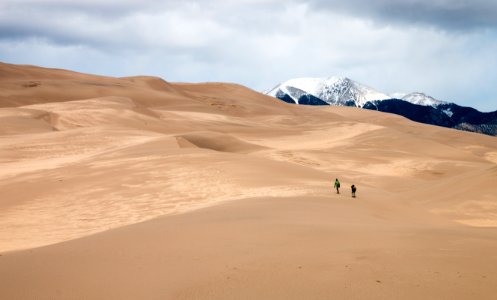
337 185
353 190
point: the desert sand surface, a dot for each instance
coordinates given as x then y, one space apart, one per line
137 188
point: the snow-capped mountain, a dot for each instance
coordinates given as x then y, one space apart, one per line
342 91
421 99
418 107
332 90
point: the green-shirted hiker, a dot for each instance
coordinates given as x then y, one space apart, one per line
337 185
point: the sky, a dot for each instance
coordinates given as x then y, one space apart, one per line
444 48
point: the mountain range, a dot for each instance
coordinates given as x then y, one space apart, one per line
342 91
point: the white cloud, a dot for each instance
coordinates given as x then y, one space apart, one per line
254 42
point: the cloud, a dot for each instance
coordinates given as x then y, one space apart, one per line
260 43
444 14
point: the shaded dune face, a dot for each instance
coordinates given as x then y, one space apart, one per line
90 165
217 142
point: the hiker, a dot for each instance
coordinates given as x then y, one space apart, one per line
337 185
353 190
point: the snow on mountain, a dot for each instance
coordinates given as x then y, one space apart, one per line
414 106
333 90
422 99
398 95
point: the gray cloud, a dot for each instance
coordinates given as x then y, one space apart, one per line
445 14
260 43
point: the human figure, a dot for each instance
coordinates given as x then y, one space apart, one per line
353 190
337 185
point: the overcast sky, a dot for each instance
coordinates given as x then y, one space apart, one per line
444 48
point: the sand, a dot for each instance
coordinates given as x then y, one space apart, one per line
137 188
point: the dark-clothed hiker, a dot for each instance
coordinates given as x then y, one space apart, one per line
353 190
337 185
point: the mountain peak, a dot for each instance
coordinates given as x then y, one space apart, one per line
343 91
333 90
422 99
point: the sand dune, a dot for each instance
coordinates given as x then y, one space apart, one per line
137 188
